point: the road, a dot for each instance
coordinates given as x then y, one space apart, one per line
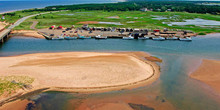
18 22
23 19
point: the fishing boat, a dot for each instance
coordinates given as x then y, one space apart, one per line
70 38
144 38
159 38
130 37
172 38
186 39
83 37
100 37
58 37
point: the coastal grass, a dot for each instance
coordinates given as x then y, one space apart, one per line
14 16
11 83
139 20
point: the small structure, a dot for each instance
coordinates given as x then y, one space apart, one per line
3 16
144 9
136 30
168 10
60 27
156 30
52 27
73 26
85 26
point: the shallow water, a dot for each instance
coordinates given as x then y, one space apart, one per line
174 86
114 23
197 22
12 5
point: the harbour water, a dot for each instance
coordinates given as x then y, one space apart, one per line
6 6
174 85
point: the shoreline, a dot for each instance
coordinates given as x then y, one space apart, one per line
97 89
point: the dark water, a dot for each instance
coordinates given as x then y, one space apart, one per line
179 59
24 4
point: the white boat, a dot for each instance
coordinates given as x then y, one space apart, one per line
70 38
144 38
100 37
83 37
158 38
186 39
172 38
58 37
130 37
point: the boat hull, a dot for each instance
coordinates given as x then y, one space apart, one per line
70 38
58 38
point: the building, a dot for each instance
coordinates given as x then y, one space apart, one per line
144 9
3 17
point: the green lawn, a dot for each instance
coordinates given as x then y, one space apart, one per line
144 20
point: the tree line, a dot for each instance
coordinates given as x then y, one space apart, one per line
162 6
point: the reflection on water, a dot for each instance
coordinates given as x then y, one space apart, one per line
174 87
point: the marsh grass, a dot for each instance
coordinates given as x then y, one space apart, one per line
141 20
11 83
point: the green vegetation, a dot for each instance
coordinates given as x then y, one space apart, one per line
201 33
136 5
128 12
14 16
139 19
11 83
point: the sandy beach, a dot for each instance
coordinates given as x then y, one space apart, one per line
209 73
26 33
82 71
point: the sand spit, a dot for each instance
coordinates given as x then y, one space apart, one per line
85 72
209 73
82 71
26 33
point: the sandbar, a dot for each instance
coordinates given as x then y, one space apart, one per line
209 73
83 71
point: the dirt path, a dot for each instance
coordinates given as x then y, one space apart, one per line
34 24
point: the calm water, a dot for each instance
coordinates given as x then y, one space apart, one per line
22 4
179 59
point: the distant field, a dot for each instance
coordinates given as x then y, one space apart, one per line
129 19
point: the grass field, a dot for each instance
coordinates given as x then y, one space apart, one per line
139 19
17 15
7 85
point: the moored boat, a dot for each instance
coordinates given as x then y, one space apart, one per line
144 38
100 37
70 38
83 37
58 37
130 37
172 38
158 38
186 39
